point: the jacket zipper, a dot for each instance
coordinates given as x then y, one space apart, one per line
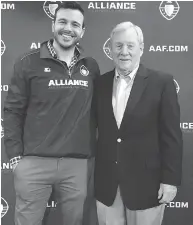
66 67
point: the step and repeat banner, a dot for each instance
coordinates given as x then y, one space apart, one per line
168 39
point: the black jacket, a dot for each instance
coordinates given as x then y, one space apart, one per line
47 112
147 149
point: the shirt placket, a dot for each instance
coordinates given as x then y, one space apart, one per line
120 100
54 55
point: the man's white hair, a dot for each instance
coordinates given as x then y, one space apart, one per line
126 26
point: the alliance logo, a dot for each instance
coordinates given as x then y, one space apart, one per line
4 207
112 6
2 129
52 204
67 83
3 47
35 45
169 9
50 7
84 71
6 167
106 48
187 127
177 86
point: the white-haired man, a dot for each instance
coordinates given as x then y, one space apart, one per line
139 155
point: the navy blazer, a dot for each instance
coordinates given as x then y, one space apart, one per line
147 149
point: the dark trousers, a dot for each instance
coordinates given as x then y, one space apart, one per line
34 178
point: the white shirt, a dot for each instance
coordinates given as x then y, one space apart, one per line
121 91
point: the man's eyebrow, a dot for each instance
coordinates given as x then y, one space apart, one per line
73 21
76 22
62 19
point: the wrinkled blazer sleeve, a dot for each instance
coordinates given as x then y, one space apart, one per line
171 143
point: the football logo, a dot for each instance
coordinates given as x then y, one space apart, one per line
84 71
3 47
4 207
177 86
169 9
2 129
47 70
106 48
50 7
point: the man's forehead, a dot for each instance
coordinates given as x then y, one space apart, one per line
70 14
126 34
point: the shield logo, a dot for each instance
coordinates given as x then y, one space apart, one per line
3 47
169 9
84 71
106 48
177 86
50 7
2 129
4 207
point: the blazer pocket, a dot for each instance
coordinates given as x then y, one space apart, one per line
153 162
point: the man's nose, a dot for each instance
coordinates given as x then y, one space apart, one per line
124 50
68 27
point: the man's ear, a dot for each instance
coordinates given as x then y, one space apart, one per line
141 49
82 34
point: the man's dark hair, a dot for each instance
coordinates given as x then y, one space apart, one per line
69 5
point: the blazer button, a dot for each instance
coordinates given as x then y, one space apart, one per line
119 140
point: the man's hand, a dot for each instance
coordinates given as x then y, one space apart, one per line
167 193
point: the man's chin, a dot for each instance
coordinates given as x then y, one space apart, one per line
67 46
126 69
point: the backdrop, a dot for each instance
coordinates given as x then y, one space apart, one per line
167 28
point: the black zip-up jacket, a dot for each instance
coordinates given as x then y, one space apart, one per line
47 111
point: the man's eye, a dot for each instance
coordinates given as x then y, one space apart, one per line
130 46
75 25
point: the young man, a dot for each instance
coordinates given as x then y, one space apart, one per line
139 155
49 131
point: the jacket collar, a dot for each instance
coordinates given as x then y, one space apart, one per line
47 50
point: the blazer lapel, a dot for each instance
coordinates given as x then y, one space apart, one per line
138 87
108 96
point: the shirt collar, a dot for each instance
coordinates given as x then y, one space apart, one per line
53 52
129 77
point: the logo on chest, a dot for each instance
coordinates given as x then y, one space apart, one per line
67 83
84 71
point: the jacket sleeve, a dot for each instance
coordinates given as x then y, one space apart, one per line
15 111
171 142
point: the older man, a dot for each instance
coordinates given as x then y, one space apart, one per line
139 155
